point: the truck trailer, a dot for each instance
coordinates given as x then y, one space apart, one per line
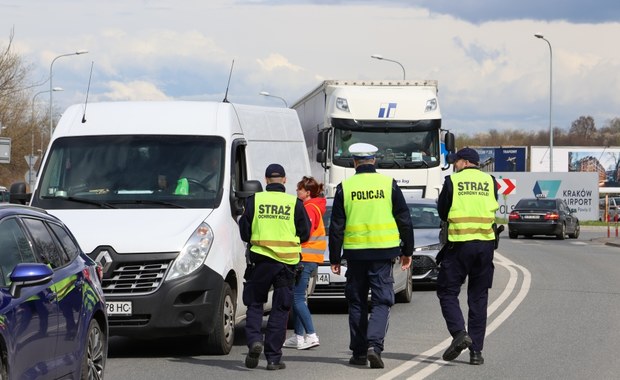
401 118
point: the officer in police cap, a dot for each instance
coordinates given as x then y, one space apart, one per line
468 201
369 220
274 224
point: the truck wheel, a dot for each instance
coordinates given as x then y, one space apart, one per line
404 296
221 340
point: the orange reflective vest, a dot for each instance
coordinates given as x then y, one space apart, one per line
313 250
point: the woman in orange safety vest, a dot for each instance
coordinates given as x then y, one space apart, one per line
311 193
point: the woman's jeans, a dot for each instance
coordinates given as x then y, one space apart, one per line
303 319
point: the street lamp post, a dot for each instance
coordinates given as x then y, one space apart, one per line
51 91
265 93
31 164
380 57
538 35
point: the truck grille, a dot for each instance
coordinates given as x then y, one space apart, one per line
135 278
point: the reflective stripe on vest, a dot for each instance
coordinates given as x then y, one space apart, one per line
273 227
472 214
313 251
368 210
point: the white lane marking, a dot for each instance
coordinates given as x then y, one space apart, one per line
427 355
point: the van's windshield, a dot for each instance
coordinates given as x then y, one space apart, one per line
129 171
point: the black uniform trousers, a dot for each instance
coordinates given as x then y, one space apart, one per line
377 276
472 260
258 282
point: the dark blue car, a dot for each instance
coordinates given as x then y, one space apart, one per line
53 321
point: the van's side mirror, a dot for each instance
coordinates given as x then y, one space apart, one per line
250 188
18 193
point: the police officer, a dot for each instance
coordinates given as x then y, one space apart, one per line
274 224
369 220
468 201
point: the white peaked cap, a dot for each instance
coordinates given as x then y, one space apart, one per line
363 150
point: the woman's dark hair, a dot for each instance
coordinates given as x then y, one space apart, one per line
312 185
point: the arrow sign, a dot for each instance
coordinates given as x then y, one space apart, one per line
506 186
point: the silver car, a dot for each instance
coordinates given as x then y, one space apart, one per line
426 226
329 286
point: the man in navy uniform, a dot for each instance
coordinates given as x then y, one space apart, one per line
274 224
369 220
468 201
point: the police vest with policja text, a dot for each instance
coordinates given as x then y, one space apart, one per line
368 208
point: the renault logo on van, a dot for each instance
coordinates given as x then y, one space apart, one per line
104 259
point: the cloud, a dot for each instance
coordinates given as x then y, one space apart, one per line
276 61
135 90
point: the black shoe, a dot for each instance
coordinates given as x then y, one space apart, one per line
274 366
358 360
251 360
475 358
374 358
459 343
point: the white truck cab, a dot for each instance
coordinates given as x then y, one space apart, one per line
152 191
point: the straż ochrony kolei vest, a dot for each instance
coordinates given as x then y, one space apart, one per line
472 213
273 227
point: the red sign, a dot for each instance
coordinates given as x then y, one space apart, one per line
506 186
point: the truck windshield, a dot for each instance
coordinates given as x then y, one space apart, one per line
129 171
400 145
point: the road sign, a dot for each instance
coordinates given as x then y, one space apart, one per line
506 186
31 160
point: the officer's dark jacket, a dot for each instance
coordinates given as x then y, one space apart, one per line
400 210
302 222
445 197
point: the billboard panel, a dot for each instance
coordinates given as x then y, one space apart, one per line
502 159
579 189
5 150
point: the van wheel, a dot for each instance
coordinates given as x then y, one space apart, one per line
405 295
221 340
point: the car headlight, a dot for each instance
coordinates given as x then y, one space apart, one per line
432 247
193 254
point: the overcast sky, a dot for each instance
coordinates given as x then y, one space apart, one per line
492 72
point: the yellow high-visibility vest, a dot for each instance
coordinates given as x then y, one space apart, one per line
472 213
368 209
273 228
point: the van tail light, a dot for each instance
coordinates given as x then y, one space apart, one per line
552 216
514 216
99 270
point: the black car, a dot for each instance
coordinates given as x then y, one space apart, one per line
542 216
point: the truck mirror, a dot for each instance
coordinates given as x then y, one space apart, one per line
321 142
321 156
449 141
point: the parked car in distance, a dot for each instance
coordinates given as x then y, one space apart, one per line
329 286
426 226
542 216
53 321
611 205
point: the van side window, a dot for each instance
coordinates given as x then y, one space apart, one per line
239 172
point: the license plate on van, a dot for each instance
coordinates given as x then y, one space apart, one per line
323 279
119 307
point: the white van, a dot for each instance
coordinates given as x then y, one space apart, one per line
152 191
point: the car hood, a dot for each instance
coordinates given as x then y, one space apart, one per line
425 236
